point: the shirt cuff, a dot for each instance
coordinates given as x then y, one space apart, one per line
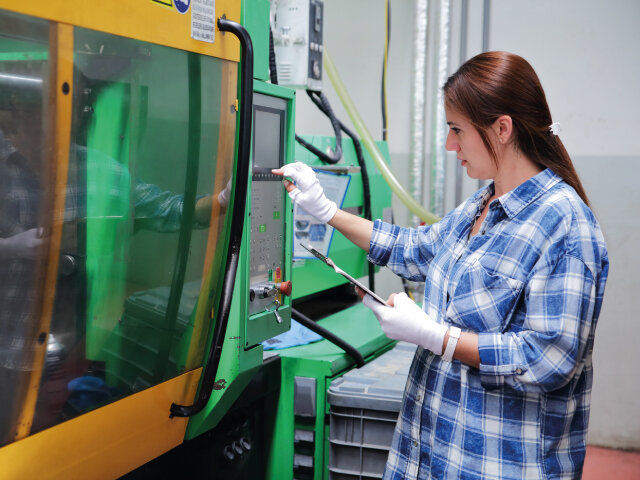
493 368
382 240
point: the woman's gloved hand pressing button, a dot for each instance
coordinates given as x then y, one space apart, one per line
306 191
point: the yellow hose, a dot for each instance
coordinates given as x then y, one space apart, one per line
370 145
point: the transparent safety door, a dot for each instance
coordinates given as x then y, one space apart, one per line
142 234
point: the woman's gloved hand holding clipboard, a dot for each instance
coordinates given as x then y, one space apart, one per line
400 319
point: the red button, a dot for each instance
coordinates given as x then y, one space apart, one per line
285 288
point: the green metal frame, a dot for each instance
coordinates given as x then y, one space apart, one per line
255 18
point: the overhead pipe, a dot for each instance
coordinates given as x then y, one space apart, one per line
486 24
464 27
418 87
438 151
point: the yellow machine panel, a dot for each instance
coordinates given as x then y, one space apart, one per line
105 443
173 23
95 96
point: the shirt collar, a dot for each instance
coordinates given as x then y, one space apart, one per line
477 201
514 201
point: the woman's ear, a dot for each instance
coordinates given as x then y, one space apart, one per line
503 127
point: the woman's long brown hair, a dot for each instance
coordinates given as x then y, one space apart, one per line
493 84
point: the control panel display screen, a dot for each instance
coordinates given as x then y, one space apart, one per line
268 128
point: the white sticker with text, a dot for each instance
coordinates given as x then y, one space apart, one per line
203 20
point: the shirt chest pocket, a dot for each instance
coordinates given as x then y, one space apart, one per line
482 300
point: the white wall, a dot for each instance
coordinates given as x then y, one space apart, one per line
586 54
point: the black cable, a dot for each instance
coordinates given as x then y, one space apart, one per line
273 70
327 335
330 159
322 103
237 221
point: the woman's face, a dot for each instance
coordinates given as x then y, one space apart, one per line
464 139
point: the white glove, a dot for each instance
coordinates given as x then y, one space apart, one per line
22 245
407 322
309 195
223 196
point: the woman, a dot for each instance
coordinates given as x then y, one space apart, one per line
514 279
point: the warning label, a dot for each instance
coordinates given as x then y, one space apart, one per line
203 20
166 3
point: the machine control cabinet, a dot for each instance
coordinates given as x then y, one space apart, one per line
298 43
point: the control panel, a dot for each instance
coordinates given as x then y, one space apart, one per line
268 275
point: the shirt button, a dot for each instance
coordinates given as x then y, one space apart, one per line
519 371
415 443
419 398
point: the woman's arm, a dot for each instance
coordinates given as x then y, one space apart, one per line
544 347
406 252
356 229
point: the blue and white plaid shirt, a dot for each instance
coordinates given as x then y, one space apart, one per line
531 284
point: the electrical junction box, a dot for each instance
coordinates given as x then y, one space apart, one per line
297 39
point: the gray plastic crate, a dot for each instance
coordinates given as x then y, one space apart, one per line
364 407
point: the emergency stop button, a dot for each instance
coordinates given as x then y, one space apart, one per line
285 288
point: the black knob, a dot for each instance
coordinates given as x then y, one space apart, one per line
252 295
237 448
245 443
67 265
228 453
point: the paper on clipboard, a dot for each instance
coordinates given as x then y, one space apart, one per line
306 228
330 263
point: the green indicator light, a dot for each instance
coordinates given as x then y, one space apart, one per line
276 214
270 275
262 228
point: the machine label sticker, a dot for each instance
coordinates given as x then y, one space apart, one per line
182 5
203 20
306 229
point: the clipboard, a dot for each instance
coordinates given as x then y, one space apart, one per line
330 263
